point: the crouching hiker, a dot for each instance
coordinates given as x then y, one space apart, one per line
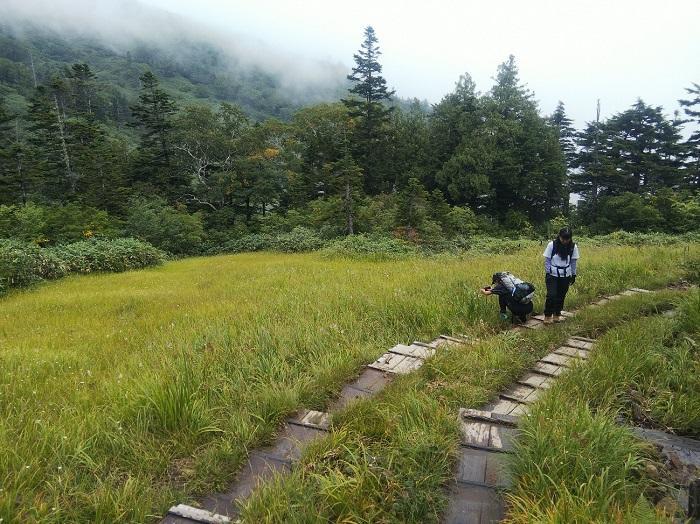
560 259
513 294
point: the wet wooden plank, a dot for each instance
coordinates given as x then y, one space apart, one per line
198 515
557 360
580 344
572 352
501 438
413 350
474 505
483 468
548 369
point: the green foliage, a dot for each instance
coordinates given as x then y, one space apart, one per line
364 247
24 263
121 254
168 228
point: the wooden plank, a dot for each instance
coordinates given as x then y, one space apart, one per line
579 344
473 505
398 364
639 290
488 416
538 317
425 344
314 419
472 466
533 324
572 352
614 297
557 360
548 369
584 339
532 379
456 340
198 515
413 351
520 410
628 293
520 393
601 302
502 438
476 434
504 407
568 314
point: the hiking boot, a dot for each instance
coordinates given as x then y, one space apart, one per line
548 319
504 316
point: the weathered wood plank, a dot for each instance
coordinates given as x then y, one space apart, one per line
533 380
639 290
199 515
584 339
474 505
628 293
488 416
520 393
456 340
398 364
533 323
580 344
548 369
475 433
568 314
557 360
504 407
413 350
472 466
315 419
572 352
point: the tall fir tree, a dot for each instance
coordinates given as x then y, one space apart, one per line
153 114
366 103
691 108
565 132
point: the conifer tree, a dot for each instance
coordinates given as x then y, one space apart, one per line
566 133
366 104
153 114
691 108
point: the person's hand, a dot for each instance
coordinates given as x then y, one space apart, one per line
485 291
573 279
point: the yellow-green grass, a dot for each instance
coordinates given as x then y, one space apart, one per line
121 394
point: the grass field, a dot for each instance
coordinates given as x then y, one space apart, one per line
120 394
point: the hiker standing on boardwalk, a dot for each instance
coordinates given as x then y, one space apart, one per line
560 259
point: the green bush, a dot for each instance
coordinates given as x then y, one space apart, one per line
372 248
168 228
25 263
297 240
117 255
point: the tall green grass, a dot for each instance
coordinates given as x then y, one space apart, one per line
121 394
574 462
386 453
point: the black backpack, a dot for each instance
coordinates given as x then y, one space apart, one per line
522 292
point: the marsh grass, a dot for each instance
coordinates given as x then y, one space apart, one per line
574 462
122 394
389 459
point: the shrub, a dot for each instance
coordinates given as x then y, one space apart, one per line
25 263
168 228
117 255
297 240
372 248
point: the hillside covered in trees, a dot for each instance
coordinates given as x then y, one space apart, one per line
189 156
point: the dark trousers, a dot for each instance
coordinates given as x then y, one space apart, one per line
557 287
519 310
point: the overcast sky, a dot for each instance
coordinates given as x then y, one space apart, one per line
573 50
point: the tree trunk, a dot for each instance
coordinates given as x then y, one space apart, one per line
348 208
64 146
